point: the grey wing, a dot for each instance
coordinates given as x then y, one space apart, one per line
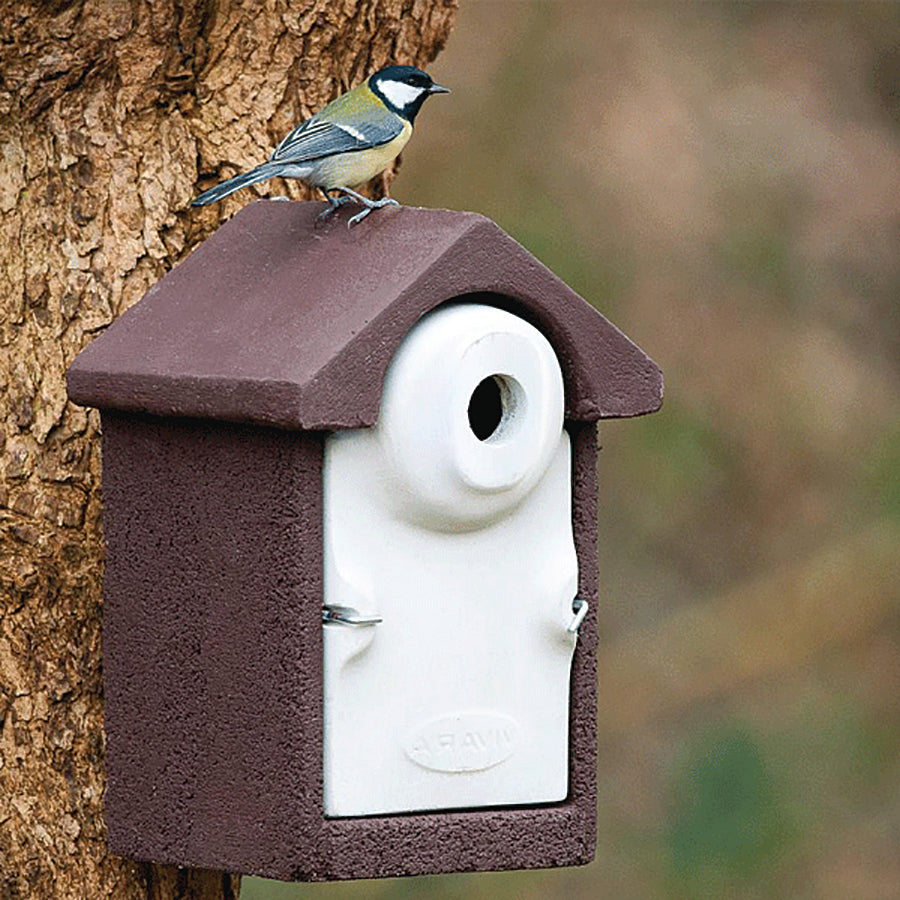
316 138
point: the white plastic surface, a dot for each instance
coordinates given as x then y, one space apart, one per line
464 547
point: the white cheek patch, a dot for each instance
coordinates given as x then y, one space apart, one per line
400 94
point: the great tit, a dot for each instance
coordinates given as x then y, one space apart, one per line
353 139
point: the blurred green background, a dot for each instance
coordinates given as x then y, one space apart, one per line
723 181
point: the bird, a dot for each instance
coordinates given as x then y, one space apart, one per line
347 143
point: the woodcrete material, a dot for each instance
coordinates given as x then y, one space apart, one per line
275 321
216 391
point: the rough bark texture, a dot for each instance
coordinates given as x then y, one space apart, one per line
112 115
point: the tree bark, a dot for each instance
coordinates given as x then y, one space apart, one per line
111 116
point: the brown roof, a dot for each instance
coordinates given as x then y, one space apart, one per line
275 321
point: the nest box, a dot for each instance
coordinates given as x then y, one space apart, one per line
349 503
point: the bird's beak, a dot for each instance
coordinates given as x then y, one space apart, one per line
438 89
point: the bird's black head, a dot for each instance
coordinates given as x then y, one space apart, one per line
404 89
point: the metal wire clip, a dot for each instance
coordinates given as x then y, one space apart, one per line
580 608
346 615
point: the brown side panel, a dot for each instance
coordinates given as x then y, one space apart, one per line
212 642
583 700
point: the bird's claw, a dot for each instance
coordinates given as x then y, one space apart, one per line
369 206
334 203
351 196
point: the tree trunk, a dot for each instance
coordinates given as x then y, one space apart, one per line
111 114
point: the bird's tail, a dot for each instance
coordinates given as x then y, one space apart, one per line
220 191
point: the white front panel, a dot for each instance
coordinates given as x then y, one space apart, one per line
463 547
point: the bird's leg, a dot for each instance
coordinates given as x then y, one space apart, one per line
366 202
334 203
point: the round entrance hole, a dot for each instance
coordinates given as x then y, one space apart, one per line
492 406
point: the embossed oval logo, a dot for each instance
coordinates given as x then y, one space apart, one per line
463 742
